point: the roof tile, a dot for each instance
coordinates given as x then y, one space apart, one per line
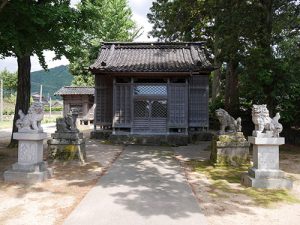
151 57
71 90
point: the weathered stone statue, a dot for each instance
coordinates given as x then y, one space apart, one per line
231 147
264 125
32 121
228 121
67 142
66 124
275 126
265 172
30 167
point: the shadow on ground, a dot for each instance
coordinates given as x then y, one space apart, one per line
149 181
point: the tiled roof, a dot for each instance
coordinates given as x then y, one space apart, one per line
151 57
70 90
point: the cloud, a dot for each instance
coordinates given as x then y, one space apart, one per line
140 8
10 63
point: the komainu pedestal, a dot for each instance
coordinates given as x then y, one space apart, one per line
230 149
265 172
30 167
67 142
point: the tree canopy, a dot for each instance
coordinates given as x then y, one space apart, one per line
255 43
10 81
32 27
101 20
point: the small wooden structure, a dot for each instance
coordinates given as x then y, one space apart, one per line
81 98
151 88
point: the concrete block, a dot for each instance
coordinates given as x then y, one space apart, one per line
27 177
261 174
268 183
266 141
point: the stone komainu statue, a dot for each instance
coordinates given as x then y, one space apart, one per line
263 122
228 121
67 123
31 122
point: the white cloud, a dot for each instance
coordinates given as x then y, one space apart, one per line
10 63
140 8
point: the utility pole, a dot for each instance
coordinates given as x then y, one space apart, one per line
1 100
50 106
41 93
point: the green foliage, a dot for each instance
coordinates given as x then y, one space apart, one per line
10 81
256 42
31 27
83 81
52 80
53 109
101 20
35 26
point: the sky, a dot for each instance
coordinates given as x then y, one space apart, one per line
139 8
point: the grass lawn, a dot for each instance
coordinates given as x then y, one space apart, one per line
225 201
47 119
222 177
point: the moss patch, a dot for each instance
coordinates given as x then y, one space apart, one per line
225 181
68 152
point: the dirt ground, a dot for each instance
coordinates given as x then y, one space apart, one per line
48 203
224 201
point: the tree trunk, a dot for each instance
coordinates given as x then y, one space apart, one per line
265 43
23 91
231 90
216 81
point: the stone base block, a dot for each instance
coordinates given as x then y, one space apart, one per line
28 173
230 149
67 149
267 183
67 135
263 174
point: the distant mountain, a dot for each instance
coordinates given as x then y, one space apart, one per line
51 80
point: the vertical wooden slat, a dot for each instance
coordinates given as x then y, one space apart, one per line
198 101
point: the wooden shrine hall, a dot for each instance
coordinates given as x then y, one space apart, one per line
151 88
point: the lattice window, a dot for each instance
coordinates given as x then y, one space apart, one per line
150 90
159 109
141 109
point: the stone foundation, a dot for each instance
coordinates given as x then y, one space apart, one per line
173 140
230 149
170 139
265 172
30 167
67 146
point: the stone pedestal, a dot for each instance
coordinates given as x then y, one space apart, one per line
30 167
67 146
230 149
265 172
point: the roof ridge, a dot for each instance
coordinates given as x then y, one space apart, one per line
77 87
154 43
